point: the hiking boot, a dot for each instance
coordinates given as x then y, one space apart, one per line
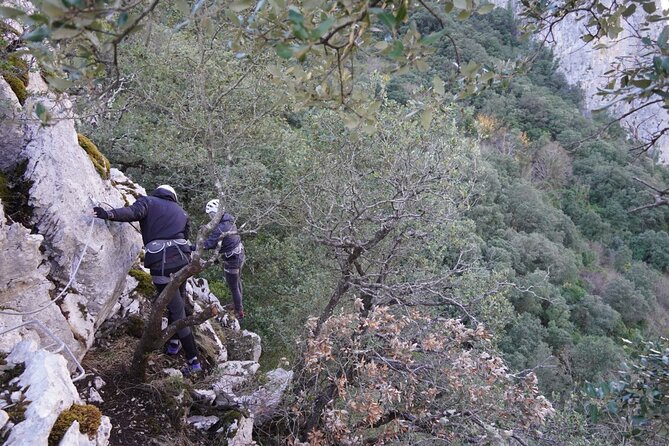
173 348
191 368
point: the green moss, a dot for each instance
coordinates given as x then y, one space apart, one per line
17 87
16 72
20 68
88 416
145 287
100 162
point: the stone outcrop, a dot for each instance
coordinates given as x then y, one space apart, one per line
585 66
44 390
57 185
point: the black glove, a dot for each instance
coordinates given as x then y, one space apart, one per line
101 213
192 248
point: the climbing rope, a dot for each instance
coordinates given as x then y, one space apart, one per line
61 345
73 274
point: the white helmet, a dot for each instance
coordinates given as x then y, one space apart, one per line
169 188
212 206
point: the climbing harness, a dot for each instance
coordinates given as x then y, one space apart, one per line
161 246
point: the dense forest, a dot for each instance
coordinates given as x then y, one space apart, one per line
499 224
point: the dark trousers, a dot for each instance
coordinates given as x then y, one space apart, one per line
232 268
177 311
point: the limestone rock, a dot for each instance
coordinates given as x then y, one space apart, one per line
206 395
94 396
4 417
64 186
11 131
234 374
264 402
202 422
75 438
46 384
584 66
24 286
244 433
243 346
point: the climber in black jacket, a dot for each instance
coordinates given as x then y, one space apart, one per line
232 252
165 229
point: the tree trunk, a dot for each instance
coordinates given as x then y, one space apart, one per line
152 336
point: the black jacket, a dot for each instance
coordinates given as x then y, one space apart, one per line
230 241
159 215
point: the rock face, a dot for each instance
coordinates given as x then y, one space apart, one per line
45 390
584 66
56 182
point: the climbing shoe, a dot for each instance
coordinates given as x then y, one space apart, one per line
173 347
192 367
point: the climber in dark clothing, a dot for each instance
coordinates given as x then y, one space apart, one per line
232 252
165 228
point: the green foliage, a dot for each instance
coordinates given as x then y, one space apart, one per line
652 247
594 358
532 237
529 213
593 316
628 301
636 404
534 252
523 343
88 416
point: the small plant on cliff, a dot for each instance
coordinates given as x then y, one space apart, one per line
88 416
145 286
100 162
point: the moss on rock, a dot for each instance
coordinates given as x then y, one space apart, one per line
17 87
100 162
16 72
145 287
5 192
17 412
88 416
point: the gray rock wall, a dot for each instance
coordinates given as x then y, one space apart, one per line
584 66
38 261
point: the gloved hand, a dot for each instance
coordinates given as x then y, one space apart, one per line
100 213
192 248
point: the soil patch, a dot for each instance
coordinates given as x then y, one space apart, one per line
149 413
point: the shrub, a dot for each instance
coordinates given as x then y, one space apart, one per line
594 358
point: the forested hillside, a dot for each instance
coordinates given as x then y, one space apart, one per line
369 234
